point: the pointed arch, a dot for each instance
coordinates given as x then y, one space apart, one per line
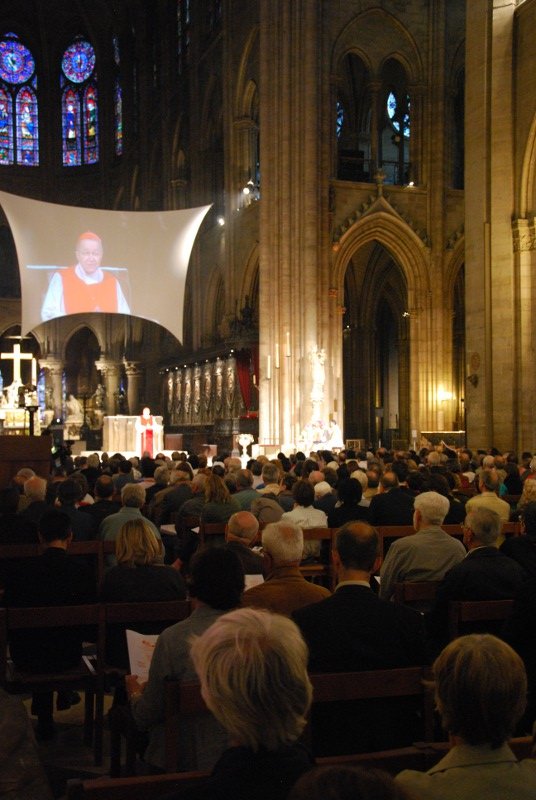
397 237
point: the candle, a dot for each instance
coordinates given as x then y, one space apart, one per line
276 359
34 372
288 345
268 368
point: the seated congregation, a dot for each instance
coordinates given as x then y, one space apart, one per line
283 572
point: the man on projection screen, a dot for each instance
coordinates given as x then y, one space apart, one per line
84 287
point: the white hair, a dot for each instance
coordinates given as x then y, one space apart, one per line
433 506
283 541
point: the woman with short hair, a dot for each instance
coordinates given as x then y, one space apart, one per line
252 666
481 693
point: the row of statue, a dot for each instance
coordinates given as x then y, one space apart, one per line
202 393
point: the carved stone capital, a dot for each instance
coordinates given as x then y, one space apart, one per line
524 235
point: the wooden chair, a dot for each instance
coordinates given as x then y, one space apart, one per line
145 787
421 756
375 684
477 616
388 533
420 595
210 531
181 699
91 549
319 572
132 615
87 676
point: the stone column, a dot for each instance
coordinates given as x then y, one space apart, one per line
134 375
489 206
53 380
293 273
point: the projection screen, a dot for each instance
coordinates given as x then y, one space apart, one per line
82 260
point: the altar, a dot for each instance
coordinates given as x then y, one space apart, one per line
120 434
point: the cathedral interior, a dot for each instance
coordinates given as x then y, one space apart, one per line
367 258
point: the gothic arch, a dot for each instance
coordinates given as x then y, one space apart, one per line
407 249
242 101
381 36
452 267
250 277
75 330
527 191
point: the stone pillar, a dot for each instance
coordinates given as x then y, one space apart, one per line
489 207
293 273
53 380
110 371
134 376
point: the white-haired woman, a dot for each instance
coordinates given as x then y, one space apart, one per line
252 666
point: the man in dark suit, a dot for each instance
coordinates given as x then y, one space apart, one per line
104 505
355 630
484 574
69 495
392 505
54 578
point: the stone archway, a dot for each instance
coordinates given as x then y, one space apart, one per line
375 348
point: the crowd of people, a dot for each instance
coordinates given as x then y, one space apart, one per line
251 644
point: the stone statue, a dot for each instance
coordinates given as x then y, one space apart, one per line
74 409
99 397
318 358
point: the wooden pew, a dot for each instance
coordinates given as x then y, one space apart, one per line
420 757
420 595
322 570
477 615
87 676
130 615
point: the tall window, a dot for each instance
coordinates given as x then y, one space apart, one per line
183 33
80 123
19 131
118 101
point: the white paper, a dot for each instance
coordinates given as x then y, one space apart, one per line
253 580
140 652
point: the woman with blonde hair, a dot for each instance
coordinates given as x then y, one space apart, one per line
140 575
528 495
219 503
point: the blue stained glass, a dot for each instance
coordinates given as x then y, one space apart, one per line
72 150
16 62
91 139
118 111
78 61
392 106
27 129
6 128
339 121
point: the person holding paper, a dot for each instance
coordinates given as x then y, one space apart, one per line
85 286
139 575
216 585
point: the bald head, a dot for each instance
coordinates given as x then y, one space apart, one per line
316 477
242 527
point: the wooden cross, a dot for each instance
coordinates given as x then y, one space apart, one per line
17 357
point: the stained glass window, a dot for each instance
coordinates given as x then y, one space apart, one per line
118 113
27 128
19 132
80 110
339 119
398 114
